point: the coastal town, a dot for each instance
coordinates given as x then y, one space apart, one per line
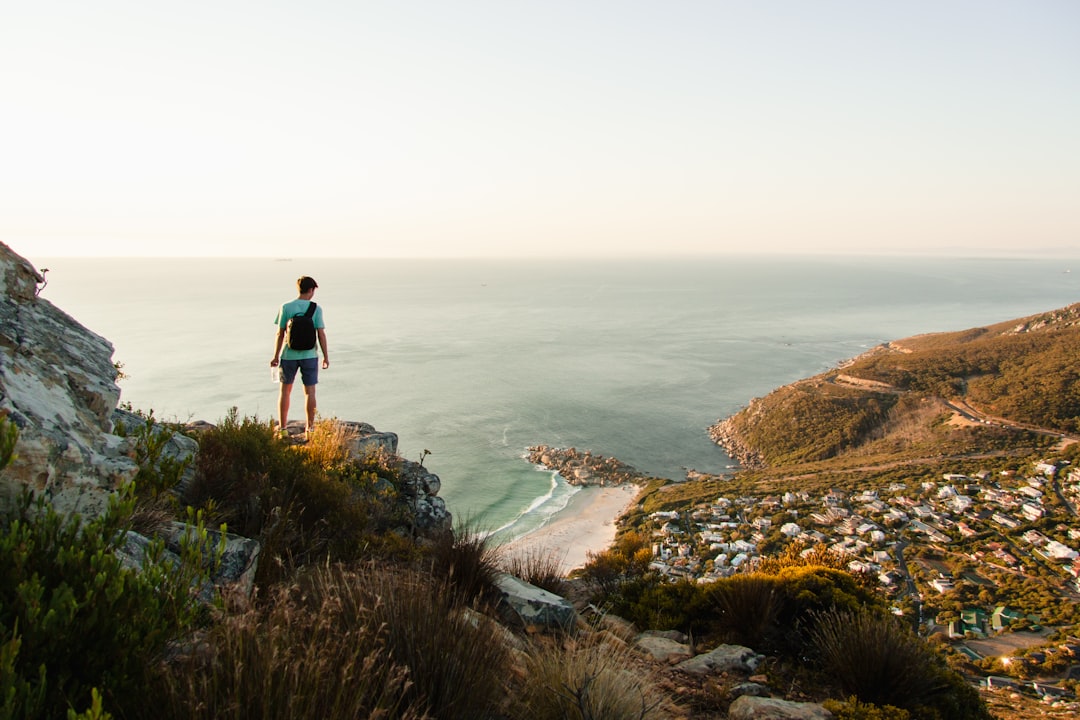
962 555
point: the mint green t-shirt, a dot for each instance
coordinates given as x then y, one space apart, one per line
292 309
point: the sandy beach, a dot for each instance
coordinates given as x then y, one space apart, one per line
586 524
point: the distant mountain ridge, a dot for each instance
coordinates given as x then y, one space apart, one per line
961 391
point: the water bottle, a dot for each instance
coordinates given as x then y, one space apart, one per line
275 374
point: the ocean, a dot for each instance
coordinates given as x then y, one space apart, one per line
476 360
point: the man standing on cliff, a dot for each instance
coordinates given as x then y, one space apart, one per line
306 360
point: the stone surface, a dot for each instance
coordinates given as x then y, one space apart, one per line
179 448
421 488
365 439
534 608
749 688
662 649
238 562
723 659
58 385
749 707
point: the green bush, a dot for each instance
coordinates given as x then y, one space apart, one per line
74 619
627 559
303 505
852 709
652 601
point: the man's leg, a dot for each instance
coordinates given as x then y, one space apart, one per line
309 393
283 405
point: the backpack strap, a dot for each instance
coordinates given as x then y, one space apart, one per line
310 310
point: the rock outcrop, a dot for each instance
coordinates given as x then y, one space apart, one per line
58 385
531 608
584 468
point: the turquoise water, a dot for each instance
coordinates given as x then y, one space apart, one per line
474 360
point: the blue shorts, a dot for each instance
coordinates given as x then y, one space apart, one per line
309 371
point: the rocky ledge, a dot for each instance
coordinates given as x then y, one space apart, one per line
584 468
724 434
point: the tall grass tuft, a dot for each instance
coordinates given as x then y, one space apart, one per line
539 567
748 608
468 561
880 661
374 641
301 656
457 665
589 679
327 444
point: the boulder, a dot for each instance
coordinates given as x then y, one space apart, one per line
179 448
533 608
421 488
723 659
363 439
662 649
749 707
238 562
58 385
749 688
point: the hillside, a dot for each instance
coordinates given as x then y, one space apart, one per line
976 390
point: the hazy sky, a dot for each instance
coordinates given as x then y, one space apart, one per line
512 127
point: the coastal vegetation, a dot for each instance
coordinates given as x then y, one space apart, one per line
368 620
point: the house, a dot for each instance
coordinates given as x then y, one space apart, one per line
942 583
1004 520
1031 511
1003 617
790 529
1046 469
1060 551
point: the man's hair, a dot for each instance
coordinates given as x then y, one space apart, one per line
306 283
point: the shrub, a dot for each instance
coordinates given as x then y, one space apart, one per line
872 656
74 619
628 558
852 709
748 609
304 506
652 601
588 679
372 641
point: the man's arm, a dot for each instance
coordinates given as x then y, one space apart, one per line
278 342
322 346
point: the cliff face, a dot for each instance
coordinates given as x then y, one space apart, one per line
58 385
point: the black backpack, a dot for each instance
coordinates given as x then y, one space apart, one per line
300 331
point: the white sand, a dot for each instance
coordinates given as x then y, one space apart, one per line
586 524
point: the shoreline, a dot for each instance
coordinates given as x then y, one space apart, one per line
587 524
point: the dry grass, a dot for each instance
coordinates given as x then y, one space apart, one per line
344 643
539 567
328 444
590 678
468 561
